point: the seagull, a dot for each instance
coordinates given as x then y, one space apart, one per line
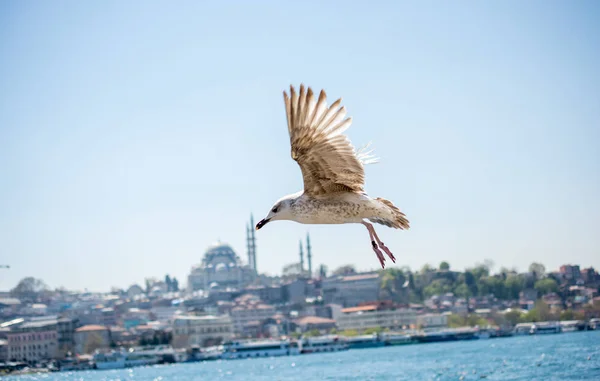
333 172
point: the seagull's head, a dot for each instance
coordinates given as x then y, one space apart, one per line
281 210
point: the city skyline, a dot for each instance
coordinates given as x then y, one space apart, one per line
134 136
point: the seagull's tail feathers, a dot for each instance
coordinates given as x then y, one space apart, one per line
391 216
365 155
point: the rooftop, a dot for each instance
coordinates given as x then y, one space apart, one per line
91 328
313 320
10 301
359 309
38 324
194 317
354 278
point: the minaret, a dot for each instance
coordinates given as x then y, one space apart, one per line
253 243
309 255
249 245
301 258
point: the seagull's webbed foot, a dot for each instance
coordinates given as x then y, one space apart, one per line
387 251
377 245
379 254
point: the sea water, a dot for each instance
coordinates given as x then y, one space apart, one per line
567 356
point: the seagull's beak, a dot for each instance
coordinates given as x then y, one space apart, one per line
262 223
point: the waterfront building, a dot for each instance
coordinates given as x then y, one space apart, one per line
91 337
3 351
432 321
190 330
351 290
33 341
376 315
66 335
309 323
249 310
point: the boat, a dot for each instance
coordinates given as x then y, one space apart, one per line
166 354
329 343
485 333
83 362
396 339
447 335
364 341
237 349
546 328
523 329
594 324
119 359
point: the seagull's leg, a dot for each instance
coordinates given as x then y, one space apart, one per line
380 244
374 243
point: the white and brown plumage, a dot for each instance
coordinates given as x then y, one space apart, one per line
332 170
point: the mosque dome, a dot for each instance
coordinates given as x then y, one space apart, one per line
220 253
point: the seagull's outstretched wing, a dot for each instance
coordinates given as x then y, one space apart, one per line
328 161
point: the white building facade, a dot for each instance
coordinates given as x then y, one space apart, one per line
361 318
190 330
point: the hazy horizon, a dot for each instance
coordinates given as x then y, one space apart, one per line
134 135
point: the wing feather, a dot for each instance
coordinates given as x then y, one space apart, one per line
327 159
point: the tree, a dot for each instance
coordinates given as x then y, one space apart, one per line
567 315
471 282
537 269
426 268
392 285
345 270
479 271
489 264
541 312
546 286
437 287
349 333
471 320
492 285
291 269
322 271
370 331
462 290
93 341
29 289
514 284
312 333
513 316
444 266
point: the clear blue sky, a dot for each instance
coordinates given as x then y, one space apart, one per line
134 134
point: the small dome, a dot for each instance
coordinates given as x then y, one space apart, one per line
221 267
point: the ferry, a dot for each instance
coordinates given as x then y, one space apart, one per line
396 339
238 349
196 353
166 354
364 341
523 329
546 328
124 359
83 362
330 343
449 334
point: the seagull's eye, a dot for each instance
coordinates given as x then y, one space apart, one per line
275 209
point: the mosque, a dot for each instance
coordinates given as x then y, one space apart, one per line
222 268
